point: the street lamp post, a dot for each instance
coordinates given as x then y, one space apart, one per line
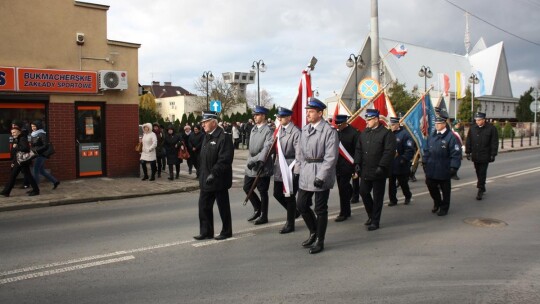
259 66
474 80
355 61
426 73
207 76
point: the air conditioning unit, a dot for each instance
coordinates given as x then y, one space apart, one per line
112 80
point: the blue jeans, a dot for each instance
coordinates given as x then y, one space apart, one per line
39 168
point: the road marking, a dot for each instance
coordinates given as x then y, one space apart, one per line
213 242
94 257
523 173
65 269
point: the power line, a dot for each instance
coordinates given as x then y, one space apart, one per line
493 25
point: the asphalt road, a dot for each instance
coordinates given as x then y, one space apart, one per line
142 250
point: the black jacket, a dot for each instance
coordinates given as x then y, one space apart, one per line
405 150
376 148
171 144
348 137
195 141
482 143
216 158
20 144
39 143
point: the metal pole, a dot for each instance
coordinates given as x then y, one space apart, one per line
535 111
356 83
425 82
472 102
258 87
207 96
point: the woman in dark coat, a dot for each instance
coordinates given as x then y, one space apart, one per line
20 143
194 145
172 142
40 144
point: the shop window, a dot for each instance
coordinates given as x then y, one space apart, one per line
23 112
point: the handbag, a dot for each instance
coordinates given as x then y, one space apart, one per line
50 150
24 158
138 147
183 152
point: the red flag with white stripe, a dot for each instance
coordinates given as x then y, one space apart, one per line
304 92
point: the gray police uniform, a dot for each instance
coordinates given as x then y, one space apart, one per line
260 142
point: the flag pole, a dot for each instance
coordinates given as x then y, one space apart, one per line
355 114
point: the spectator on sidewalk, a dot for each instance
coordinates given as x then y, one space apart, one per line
172 143
185 138
194 145
148 154
235 135
40 145
20 143
160 151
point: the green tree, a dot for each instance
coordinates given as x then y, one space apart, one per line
191 118
148 109
184 120
508 131
148 115
400 98
177 125
225 117
499 128
464 109
523 111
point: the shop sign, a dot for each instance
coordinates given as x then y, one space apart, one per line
56 81
7 79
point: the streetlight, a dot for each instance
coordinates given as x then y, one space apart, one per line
207 76
474 80
355 61
259 66
315 92
426 73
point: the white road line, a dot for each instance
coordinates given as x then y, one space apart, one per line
523 173
213 242
94 257
65 269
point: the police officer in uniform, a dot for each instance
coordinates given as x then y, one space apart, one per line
405 150
373 158
260 142
317 159
348 137
289 138
215 178
482 144
441 160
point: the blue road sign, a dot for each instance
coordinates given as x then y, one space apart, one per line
368 87
215 105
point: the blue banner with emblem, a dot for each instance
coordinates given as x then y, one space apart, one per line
420 121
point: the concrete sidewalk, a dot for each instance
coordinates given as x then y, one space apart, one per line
105 188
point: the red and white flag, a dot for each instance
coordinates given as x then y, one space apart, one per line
399 50
304 92
444 83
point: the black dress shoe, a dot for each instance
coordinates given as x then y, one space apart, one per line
255 215
145 178
33 193
392 204
170 178
317 247
222 237
341 218
434 209
372 227
4 194
407 201
311 239
261 220
442 212
286 229
479 194
55 185
202 237
368 222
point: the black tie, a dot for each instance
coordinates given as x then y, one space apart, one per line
255 129
283 131
310 128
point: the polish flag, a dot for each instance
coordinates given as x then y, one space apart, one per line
444 83
304 92
399 50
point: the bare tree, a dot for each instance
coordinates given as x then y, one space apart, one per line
218 90
266 98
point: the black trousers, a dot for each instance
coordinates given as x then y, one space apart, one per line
27 176
403 181
195 160
373 204
190 163
289 203
345 194
206 212
161 162
262 185
481 175
152 167
436 187
315 224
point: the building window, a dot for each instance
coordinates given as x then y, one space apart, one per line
251 78
23 112
173 118
493 109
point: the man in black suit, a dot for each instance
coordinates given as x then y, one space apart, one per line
215 178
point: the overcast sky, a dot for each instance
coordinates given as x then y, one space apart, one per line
181 39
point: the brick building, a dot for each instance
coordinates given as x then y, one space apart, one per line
57 65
